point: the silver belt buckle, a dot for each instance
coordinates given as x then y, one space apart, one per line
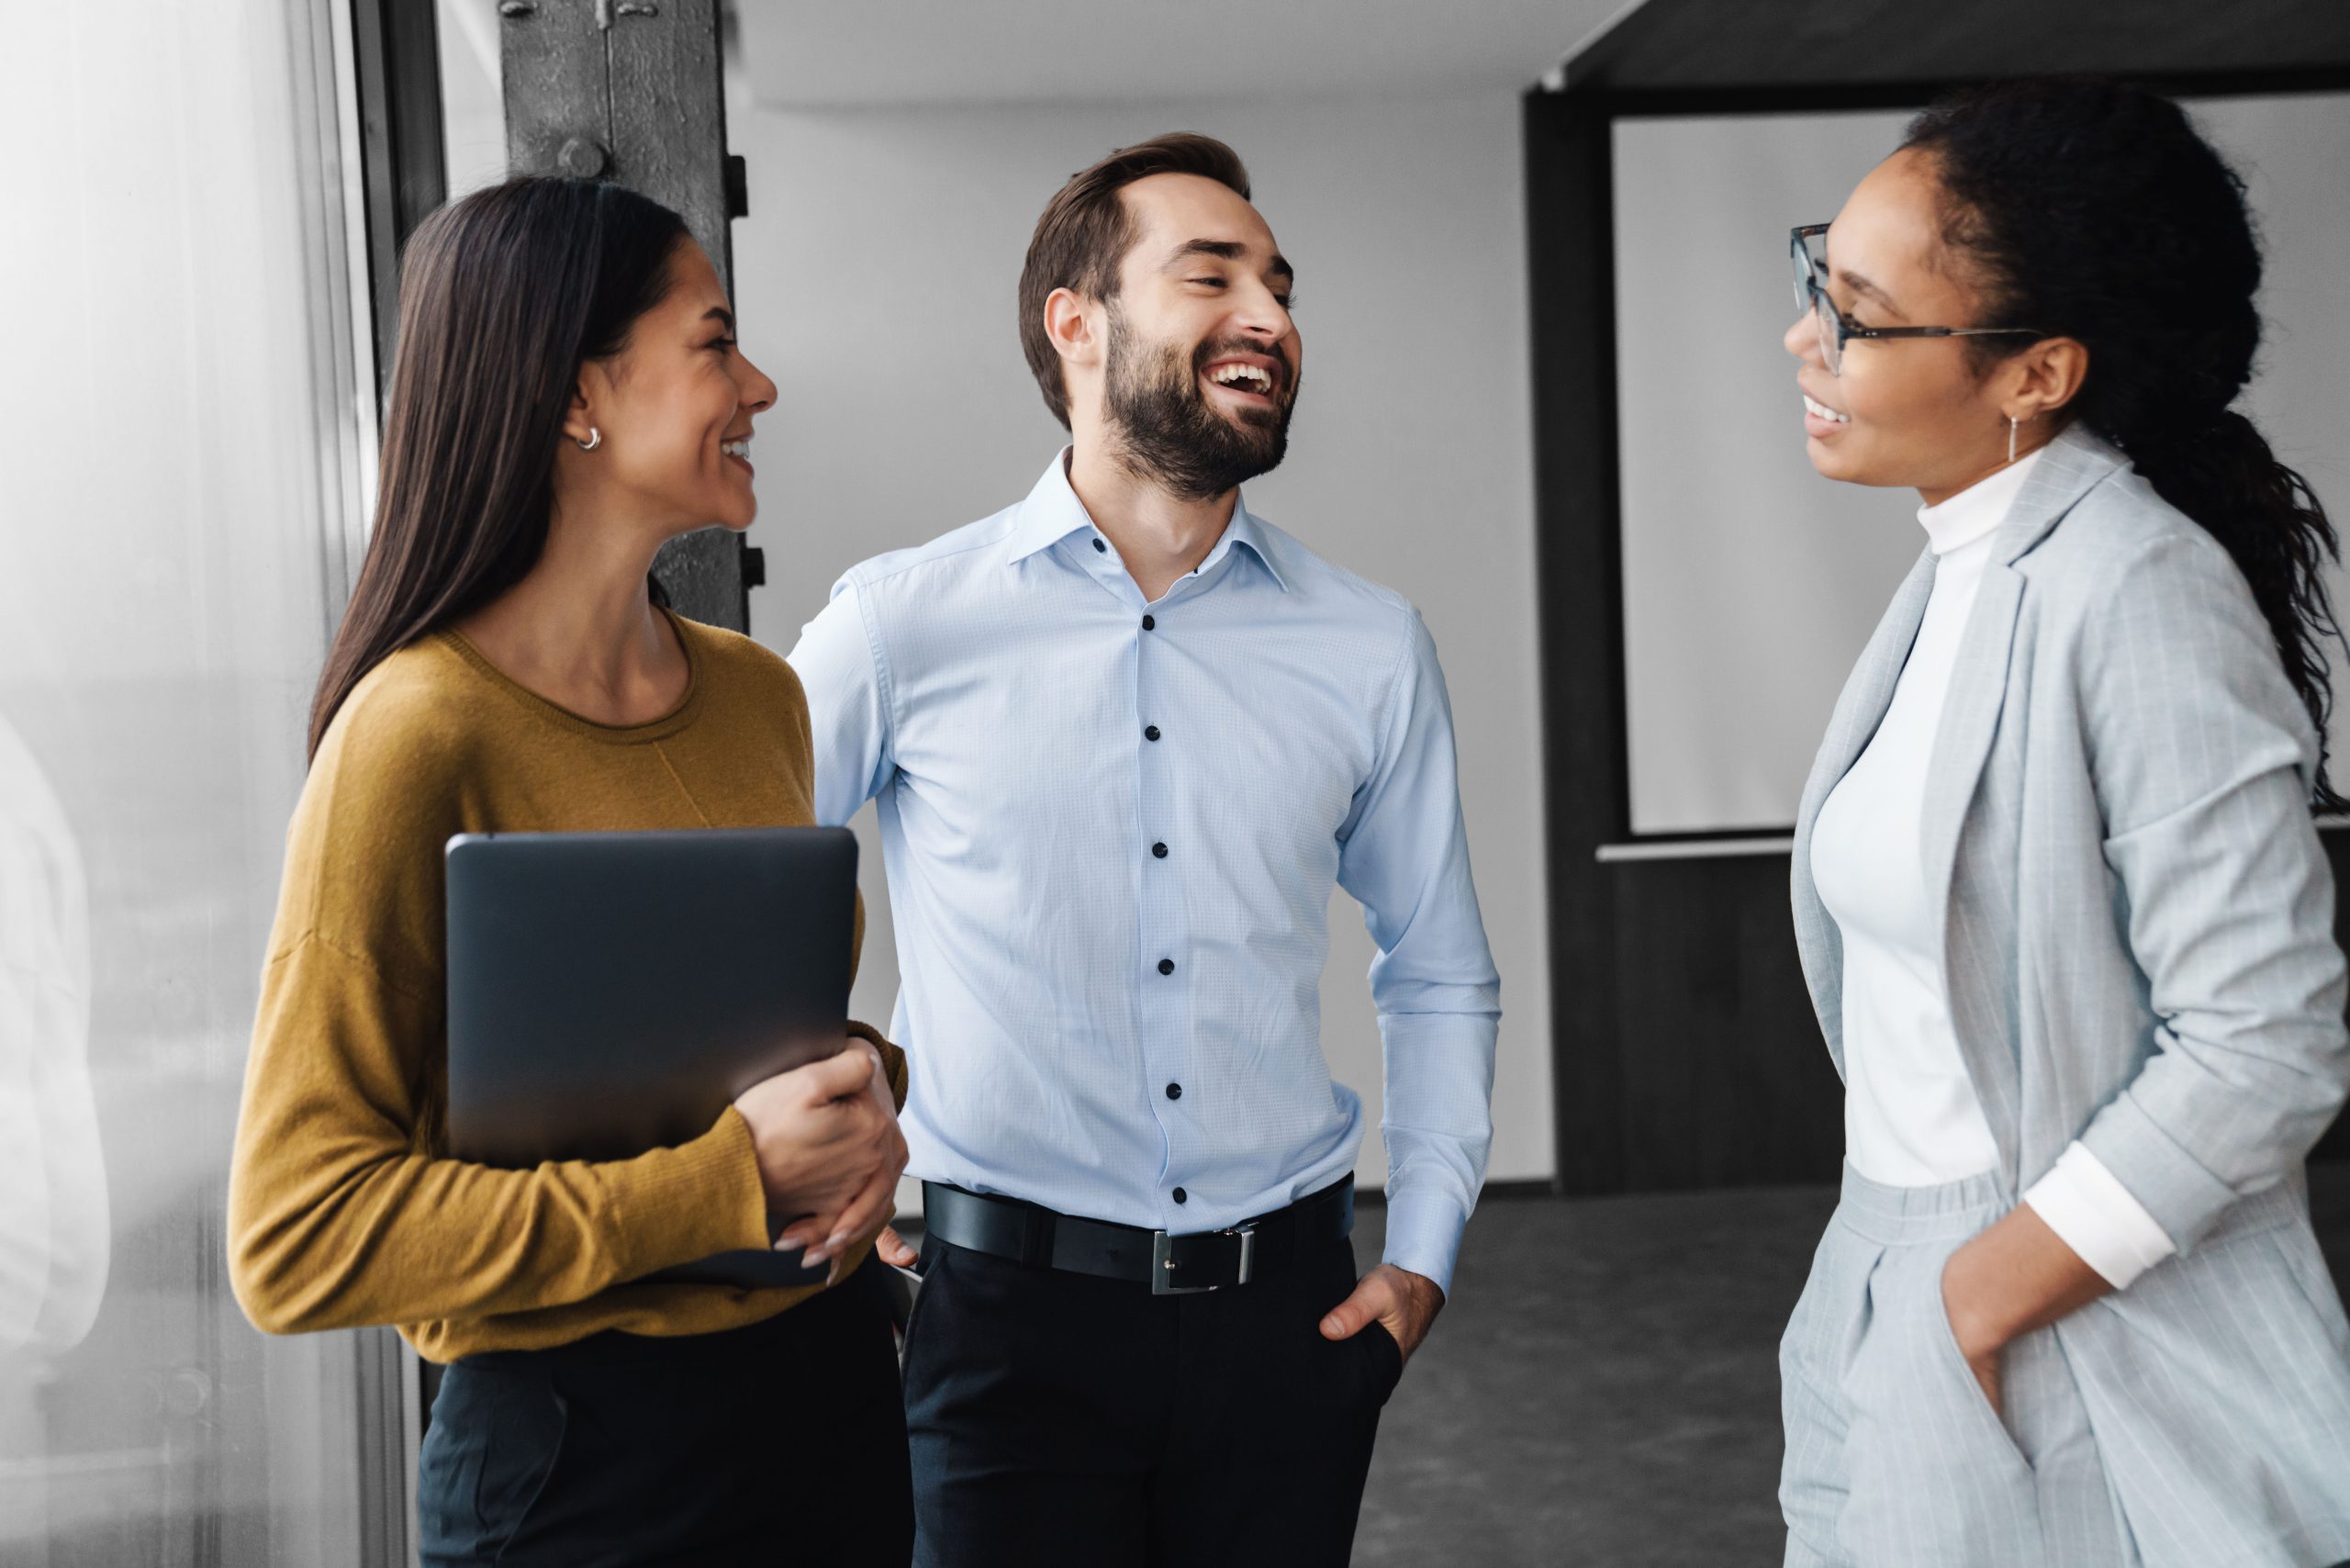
1162 1262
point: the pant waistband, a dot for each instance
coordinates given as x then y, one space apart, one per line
1897 1216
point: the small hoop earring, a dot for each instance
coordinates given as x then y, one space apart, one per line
2011 438
596 439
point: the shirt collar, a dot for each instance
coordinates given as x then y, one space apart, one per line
1052 512
1977 511
1247 532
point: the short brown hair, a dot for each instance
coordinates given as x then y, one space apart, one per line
1086 231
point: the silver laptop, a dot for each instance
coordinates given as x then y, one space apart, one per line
613 992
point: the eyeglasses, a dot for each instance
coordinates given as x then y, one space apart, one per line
1836 329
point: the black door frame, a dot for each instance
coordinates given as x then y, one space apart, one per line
403 171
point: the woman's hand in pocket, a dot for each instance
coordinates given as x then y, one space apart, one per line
2014 1278
829 1149
1982 1355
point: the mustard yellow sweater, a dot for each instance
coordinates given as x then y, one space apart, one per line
342 1207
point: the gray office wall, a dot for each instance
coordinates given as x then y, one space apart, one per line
1750 582
876 278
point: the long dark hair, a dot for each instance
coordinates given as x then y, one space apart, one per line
503 297
2093 211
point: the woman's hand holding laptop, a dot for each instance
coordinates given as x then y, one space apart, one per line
829 1151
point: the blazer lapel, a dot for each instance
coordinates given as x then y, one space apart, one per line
1963 742
1867 694
1978 689
1978 682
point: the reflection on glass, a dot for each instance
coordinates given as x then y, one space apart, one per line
53 1236
176 418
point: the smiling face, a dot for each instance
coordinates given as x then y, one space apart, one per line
1918 412
1202 358
674 409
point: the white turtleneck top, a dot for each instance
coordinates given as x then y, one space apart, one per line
1911 1116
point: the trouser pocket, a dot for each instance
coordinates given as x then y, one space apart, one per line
1815 1353
1386 1358
1935 1480
1968 1400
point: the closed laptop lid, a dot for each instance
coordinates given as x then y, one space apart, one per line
613 992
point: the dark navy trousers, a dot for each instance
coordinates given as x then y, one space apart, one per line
1060 1419
783 1442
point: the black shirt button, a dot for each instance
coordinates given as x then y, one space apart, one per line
1103 548
1166 965
1182 1196
1174 1092
1151 622
1160 850
1150 732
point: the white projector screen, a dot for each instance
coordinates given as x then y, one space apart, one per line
1750 582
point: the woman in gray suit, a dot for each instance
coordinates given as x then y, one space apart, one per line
2060 898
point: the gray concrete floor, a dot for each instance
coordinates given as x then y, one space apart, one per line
1604 1388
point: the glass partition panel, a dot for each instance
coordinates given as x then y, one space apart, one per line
178 456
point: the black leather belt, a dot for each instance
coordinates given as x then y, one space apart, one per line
1183 1264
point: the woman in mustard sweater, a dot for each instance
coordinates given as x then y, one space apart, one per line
567 397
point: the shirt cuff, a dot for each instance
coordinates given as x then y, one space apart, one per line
2092 1213
1424 1235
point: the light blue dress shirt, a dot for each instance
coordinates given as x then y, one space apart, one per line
1112 830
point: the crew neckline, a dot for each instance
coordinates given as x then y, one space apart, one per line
667 725
1977 512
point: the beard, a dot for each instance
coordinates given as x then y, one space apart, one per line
1167 432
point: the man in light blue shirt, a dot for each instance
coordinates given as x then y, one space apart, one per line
1125 737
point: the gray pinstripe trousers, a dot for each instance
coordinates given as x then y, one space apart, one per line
1895 1457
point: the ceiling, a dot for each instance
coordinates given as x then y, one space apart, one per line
826 54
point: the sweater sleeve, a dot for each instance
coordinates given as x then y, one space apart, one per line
892 1059
338 1216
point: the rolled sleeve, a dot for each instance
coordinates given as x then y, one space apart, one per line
2203 757
2092 1213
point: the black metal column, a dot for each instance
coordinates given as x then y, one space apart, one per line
631 91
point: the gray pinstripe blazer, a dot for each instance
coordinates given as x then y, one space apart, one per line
2138 931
